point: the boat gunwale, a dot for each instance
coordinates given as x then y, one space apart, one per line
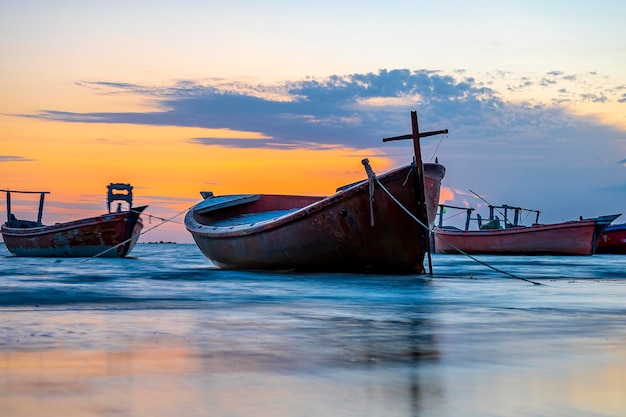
516 229
73 224
261 226
616 227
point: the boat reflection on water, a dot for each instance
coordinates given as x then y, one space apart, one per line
142 336
177 363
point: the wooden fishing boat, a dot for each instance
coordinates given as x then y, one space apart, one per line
380 224
613 239
579 237
113 234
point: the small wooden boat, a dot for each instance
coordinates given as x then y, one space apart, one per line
613 239
380 224
110 235
578 237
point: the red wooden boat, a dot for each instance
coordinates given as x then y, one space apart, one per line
578 237
613 239
369 226
110 235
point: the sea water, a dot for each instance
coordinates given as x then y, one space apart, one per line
164 333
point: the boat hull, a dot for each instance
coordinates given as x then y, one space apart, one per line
343 232
567 238
110 235
613 240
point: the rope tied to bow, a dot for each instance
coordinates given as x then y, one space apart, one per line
371 177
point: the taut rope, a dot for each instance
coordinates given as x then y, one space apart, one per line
375 178
163 221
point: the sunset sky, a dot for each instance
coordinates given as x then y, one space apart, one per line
177 97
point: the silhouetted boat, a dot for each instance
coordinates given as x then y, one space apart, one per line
578 237
369 226
110 235
613 239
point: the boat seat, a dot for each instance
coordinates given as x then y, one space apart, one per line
251 219
222 202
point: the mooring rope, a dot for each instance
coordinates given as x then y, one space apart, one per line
163 221
454 246
152 216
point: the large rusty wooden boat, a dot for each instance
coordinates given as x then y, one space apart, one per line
380 224
504 237
113 234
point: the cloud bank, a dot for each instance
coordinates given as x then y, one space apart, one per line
517 136
14 158
356 110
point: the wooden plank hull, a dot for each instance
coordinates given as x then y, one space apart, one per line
109 235
613 240
567 238
342 232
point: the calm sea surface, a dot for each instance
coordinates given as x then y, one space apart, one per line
163 333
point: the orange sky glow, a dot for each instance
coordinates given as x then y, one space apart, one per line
76 161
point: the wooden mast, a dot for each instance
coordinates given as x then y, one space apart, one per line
422 212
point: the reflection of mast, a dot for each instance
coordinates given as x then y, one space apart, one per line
407 344
422 349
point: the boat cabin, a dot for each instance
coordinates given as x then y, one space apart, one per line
119 192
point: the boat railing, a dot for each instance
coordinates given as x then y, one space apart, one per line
12 221
517 214
493 221
443 208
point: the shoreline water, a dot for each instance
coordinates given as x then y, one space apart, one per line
164 333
